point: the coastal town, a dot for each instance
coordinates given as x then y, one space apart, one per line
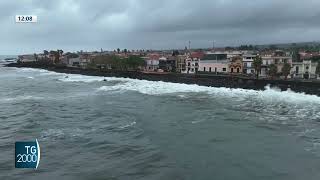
246 61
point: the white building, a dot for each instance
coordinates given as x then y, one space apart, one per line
231 54
152 62
74 62
305 69
247 60
192 65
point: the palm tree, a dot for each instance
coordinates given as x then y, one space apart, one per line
45 52
286 70
273 70
257 62
35 56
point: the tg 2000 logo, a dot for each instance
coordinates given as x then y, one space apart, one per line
27 154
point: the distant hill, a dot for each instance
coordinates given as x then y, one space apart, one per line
291 45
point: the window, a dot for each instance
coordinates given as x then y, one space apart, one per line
231 70
238 70
224 69
204 69
196 64
307 68
297 69
252 71
192 69
189 64
215 69
210 69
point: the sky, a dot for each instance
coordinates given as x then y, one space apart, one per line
74 25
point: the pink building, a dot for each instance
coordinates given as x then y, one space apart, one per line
214 62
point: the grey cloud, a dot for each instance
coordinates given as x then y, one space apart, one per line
91 25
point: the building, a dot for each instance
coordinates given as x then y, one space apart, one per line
192 65
27 58
214 63
279 58
305 69
167 64
74 62
85 59
235 65
231 54
181 63
247 60
152 62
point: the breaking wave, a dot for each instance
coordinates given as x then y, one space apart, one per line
159 88
20 98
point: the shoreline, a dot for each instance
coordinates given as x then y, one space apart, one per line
228 81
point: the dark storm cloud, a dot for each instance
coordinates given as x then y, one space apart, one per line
91 25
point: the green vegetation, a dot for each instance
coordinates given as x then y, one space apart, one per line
57 55
273 70
318 69
315 59
116 63
286 70
45 52
71 55
257 62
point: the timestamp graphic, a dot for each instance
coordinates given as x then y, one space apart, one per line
26 18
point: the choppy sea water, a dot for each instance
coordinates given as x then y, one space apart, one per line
135 129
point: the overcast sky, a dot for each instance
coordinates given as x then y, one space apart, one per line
74 25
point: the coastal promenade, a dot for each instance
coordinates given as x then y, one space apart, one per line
308 87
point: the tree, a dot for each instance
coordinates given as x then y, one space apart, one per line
60 51
257 62
125 51
273 47
175 53
35 56
273 70
56 55
118 50
286 70
45 52
296 55
318 69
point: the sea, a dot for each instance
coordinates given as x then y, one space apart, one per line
107 128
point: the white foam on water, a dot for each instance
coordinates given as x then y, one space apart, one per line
38 71
20 98
153 87
128 125
159 88
80 78
88 79
52 133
